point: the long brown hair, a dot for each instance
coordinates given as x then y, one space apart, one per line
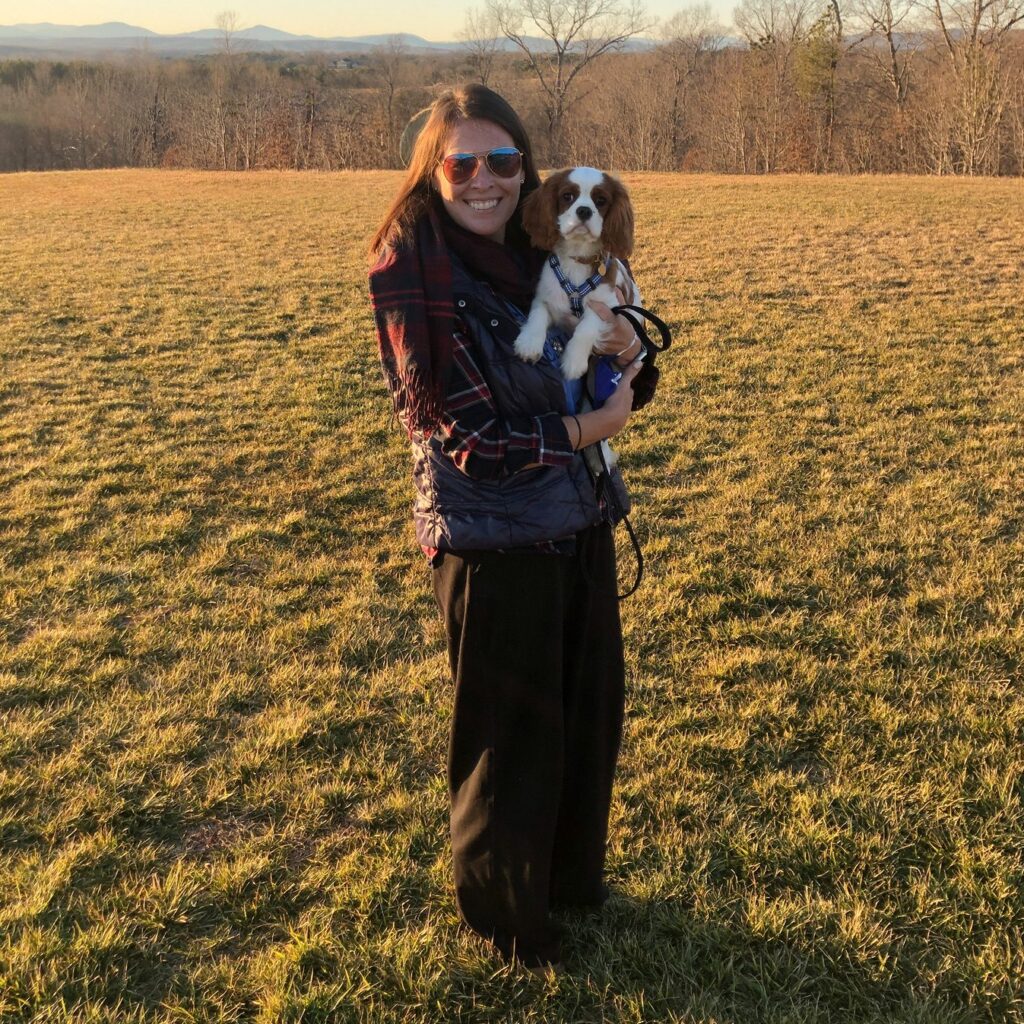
471 102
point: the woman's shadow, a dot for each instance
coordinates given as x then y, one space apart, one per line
668 962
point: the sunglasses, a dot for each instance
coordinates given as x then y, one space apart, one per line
505 162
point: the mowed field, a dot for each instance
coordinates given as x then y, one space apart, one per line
224 699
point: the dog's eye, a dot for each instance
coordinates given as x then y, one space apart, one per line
567 197
600 201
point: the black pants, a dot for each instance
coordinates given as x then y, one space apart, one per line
536 654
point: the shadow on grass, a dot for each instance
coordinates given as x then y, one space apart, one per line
677 965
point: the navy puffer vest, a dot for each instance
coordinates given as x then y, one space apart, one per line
454 512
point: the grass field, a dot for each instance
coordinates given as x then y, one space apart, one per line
223 691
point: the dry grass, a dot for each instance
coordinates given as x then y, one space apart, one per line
223 701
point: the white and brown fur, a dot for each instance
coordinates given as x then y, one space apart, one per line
584 216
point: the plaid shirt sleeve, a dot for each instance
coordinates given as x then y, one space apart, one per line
479 441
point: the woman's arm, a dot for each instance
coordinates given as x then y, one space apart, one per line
622 343
483 444
607 421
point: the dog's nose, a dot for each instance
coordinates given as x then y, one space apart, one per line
584 212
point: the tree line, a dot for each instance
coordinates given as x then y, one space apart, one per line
832 86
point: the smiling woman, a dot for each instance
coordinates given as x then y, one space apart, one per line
480 178
519 541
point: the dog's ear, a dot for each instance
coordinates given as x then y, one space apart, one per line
617 232
540 215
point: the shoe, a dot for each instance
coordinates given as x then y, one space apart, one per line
543 970
540 956
569 903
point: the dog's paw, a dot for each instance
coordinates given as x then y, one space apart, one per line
575 360
529 345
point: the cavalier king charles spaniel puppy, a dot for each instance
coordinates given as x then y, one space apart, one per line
583 217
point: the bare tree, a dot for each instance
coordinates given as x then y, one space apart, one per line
817 63
773 30
725 109
689 36
83 115
390 62
887 20
578 32
1017 113
228 22
628 126
974 33
773 23
481 37
224 77
254 111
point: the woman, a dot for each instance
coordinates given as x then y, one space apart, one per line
519 543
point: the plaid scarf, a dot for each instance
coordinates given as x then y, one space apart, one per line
414 309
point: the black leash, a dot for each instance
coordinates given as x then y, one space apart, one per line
636 316
601 488
666 335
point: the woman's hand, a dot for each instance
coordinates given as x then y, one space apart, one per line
610 418
619 338
619 404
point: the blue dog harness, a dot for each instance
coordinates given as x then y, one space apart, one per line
574 292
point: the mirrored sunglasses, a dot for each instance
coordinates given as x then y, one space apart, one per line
505 162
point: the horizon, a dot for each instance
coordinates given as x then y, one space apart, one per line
320 18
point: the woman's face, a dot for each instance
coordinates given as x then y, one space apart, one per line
485 203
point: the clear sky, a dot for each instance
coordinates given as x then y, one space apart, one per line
431 19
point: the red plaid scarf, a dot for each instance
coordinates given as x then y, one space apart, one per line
414 310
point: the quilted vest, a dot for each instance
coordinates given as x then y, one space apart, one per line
453 512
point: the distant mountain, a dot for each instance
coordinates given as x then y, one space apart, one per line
262 33
44 30
402 37
51 41
267 33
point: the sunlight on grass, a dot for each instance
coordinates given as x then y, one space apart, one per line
223 692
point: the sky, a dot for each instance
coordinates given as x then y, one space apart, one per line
432 19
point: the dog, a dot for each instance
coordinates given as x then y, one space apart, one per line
582 216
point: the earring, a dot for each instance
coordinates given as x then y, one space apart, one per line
522 180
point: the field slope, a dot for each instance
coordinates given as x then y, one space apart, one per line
223 694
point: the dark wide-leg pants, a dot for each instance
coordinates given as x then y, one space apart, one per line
535 646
